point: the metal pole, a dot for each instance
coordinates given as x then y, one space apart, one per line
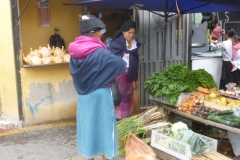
165 35
17 47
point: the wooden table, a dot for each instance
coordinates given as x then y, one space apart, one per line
198 119
210 156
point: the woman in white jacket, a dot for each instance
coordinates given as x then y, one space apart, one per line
226 48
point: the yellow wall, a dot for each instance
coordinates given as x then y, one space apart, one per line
48 92
8 89
63 17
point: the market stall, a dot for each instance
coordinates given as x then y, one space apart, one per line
197 119
193 94
47 28
167 140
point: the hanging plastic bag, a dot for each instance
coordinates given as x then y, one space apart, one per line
217 32
116 94
136 149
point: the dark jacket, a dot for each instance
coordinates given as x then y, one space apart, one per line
95 71
118 47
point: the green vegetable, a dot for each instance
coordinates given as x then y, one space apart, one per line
235 124
217 118
202 78
225 112
224 120
176 79
208 113
229 123
232 118
195 140
210 117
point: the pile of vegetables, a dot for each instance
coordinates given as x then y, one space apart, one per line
195 103
139 124
190 104
180 132
176 79
232 90
225 117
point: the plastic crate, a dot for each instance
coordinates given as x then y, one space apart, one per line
175 147
236 110
163 99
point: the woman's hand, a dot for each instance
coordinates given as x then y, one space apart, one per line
223 31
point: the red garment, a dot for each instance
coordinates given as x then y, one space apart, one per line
235 47
125 108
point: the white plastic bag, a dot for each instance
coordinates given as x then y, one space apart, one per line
234 139
136 149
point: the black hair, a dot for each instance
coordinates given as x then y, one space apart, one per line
230 32
126 26
236 38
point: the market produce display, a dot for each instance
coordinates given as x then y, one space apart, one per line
139 124
177 79
232 90
198 105
195 105
180 132
46 55
225 117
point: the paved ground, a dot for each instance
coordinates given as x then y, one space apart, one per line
44 142
54 141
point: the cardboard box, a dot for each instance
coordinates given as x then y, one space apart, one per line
216 106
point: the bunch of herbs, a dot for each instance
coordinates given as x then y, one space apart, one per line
176 79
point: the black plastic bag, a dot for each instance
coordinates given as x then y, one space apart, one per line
116 94
57 41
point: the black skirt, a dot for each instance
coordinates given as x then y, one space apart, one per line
228 76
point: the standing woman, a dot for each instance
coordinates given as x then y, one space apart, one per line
124 45
93 68
226 47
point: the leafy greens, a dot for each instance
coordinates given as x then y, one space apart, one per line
176 79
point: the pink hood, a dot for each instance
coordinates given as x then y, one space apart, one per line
84 45
234 50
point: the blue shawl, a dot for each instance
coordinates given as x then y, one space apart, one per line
95 71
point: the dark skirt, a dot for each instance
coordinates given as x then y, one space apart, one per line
228 76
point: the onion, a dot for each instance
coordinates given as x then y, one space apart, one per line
194 113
